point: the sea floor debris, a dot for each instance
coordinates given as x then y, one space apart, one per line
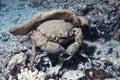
103 15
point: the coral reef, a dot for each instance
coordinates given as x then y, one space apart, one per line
88 63
26 74
16 59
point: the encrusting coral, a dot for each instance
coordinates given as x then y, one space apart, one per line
26 74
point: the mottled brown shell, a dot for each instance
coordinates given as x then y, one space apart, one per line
56 28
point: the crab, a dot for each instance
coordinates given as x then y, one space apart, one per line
50 29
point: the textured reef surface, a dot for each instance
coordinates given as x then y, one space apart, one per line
97 58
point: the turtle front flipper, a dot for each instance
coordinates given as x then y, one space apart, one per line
40 17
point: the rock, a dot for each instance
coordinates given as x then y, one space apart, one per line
75 75
16 59
42 62
17 47
5 36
